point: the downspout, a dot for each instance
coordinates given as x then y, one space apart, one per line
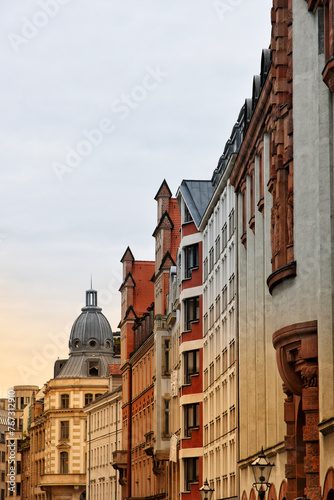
89 452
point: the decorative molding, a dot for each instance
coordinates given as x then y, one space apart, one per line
282 274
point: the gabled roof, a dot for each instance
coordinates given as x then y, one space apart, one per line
163 191
196 195
167 257
128 277
127 315
162 223
128 255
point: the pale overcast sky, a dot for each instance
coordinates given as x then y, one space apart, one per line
100 101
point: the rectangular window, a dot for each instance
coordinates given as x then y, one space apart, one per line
205 269
187 214
165 368
64 462
93 368
231 223
166 417
217 242
65 430
191 259
191 365
88 398
211 259
191 311
64 401
191 418
191 472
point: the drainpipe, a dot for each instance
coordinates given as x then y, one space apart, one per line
89 451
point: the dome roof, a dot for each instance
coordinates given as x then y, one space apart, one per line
91 331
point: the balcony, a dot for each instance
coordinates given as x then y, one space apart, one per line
149 443
63 480
119 459
120 462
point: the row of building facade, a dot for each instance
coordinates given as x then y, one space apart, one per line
226 337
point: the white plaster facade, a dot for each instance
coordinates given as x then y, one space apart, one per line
220 341
104 436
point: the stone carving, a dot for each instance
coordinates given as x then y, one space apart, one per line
289 219
309 376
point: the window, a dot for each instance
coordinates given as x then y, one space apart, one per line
88 398
187 214
191 472
205 269
166 417
93 368
18 470
191 418
64 401
65 430
3 456
191 259
191 311
217 243
191 365
18 489
211 259
166 357
231 223
64 462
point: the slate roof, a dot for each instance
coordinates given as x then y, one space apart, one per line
77 365
197 195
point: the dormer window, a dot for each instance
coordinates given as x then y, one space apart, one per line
187 215
93 368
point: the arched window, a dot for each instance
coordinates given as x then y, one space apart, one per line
64 462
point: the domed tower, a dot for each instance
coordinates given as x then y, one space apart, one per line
91 344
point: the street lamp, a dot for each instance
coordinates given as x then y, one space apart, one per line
206 492
261 470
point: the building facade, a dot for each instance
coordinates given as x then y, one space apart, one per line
22 394
145 348
57 448
283 177
220 330
104 436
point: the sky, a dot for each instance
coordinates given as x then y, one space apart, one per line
100 102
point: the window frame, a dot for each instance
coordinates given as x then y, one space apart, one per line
191 369
191 311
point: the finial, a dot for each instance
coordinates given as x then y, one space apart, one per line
91 282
